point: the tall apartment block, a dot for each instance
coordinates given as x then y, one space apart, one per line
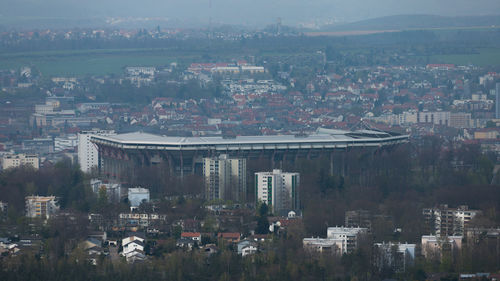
279 190
88 155
225 178
445 221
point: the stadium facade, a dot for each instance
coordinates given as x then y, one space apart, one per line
121 154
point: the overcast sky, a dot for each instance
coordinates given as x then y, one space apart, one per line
248 12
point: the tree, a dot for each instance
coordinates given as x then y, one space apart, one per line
262 222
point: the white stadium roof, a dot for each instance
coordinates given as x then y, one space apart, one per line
324 137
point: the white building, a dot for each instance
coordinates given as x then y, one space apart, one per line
140 70
17 160
3 206
348 237
279 190
225 178
408 117
113 190
88 155
323 245
68 142
41 206
435 246
253 69
434 117
397 256
138 195
246 248
133 249
141 219
339 241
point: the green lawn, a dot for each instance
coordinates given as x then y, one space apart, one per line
484 58
79 63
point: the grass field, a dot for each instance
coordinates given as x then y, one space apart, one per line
112 61
485 57
80 63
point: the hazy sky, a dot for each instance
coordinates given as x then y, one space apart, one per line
260 12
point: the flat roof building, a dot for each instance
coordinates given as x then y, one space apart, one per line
225 178
138 195
17 160
279 190
445 221
88 156
41 206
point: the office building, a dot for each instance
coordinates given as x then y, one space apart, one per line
17 160
41 206
88 155
445 221
225 178
279 190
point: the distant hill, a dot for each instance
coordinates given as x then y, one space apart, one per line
404 22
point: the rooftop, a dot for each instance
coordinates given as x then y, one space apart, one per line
320 136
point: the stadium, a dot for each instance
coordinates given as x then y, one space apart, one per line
122 153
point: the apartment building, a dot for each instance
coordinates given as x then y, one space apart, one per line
17 160
88 155
225 178
445 221
41 206
279 190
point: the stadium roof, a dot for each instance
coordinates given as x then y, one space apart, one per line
322 138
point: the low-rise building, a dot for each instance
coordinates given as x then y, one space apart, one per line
246 248
486 134
113 190
349 236
340 240
323 245
41 206
17 160
138 195
142 220
133 249
397 256
434 247
195 236
233 237
68 142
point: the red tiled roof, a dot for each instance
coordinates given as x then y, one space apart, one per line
190 234
233 235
